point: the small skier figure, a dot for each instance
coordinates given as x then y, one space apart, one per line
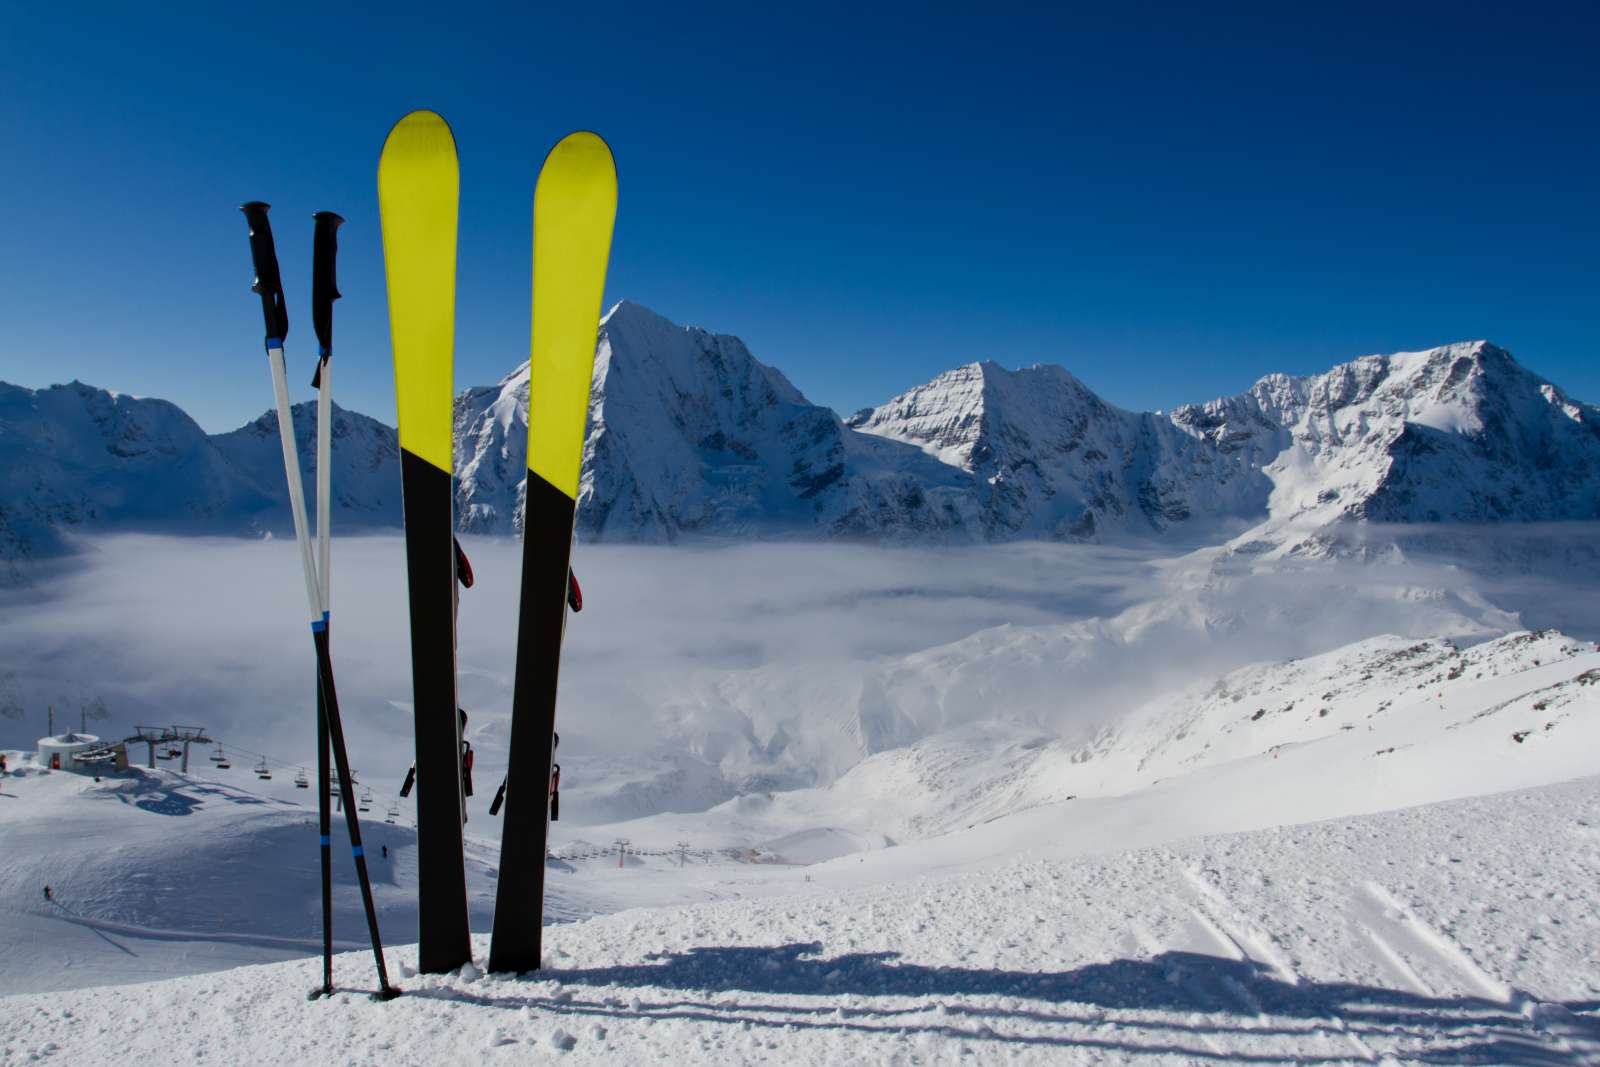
385 851
47 894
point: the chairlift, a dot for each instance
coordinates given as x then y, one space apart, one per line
366 800
217 755
392 814
300 779
263 772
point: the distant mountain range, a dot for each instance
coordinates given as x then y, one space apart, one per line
691 436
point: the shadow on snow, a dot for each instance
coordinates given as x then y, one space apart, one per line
1454 1030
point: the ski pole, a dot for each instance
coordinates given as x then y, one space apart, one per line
270 287
324 291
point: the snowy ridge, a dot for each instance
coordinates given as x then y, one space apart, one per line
1051 459
366 464
1455 434
1459 433
74 458
692 437
1379 724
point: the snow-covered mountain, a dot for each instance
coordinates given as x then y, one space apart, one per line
692 436
1460 433
1456 434
1049 458
77 458
366 465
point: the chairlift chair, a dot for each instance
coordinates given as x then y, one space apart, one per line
263 772
366 800
300 779
217 755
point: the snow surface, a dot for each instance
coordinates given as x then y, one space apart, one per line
1041 895
1459 933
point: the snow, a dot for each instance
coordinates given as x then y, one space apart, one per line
1234 866
1420 935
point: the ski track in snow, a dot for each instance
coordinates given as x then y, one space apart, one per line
1351 941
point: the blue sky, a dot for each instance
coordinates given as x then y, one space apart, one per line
1167 201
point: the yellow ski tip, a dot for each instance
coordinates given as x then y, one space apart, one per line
418 193
574 210
422 133
582 155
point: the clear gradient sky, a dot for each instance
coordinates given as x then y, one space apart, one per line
1169 199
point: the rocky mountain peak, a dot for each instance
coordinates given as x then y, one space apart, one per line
691 436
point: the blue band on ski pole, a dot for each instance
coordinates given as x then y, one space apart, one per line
274 342
358 851
319 625
325 840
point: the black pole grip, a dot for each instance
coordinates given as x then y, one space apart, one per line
324 286
268 283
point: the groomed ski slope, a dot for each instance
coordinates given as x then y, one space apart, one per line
1462 932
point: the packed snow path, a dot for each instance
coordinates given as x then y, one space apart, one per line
1455 933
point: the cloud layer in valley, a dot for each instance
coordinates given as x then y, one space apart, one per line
696 673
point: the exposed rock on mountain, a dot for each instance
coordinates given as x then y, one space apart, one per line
692 436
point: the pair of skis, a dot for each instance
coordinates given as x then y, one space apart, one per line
330 728
574 210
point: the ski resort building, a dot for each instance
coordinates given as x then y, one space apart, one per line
63 752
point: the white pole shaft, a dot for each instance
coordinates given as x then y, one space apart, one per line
291 470
324 478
